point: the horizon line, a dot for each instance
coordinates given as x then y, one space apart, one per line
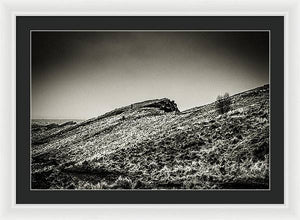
144 101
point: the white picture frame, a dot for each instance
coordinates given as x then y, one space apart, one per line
10 9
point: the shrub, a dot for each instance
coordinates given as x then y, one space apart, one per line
223 103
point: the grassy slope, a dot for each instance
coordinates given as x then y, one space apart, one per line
142 146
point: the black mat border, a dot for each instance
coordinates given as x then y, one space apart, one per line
24 24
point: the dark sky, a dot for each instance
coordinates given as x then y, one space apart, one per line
79 75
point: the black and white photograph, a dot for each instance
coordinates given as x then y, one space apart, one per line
150 110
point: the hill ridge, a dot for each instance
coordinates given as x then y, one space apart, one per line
153 145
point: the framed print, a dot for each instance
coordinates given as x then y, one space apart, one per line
150 110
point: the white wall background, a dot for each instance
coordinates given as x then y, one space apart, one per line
10 8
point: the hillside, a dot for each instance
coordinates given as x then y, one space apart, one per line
152 145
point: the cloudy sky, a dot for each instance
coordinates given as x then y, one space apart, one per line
79 75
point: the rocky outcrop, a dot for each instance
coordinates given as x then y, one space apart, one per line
165 105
